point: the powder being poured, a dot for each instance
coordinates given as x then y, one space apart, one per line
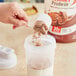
36 39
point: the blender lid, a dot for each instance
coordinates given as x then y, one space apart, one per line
8 58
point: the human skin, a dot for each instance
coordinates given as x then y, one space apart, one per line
12 13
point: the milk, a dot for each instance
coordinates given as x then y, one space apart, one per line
43 72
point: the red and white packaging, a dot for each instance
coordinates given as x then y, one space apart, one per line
63 14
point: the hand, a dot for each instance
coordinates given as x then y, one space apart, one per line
13 14
40 27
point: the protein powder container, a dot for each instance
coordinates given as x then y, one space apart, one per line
63 15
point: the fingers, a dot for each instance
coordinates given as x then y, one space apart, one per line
17 23
22 16
22 23
18 12
22 19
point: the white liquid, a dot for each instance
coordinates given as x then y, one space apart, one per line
44 72
40 67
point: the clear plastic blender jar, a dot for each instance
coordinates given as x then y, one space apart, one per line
40 59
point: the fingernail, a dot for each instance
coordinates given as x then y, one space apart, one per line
14 27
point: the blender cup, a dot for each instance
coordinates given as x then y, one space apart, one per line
40 59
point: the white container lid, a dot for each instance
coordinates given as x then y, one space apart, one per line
8 58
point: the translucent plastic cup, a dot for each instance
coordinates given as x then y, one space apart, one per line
40 59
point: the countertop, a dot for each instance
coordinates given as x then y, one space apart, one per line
65 62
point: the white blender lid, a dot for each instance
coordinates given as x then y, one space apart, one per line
8 58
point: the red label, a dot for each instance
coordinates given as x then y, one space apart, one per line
74 2
56 29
